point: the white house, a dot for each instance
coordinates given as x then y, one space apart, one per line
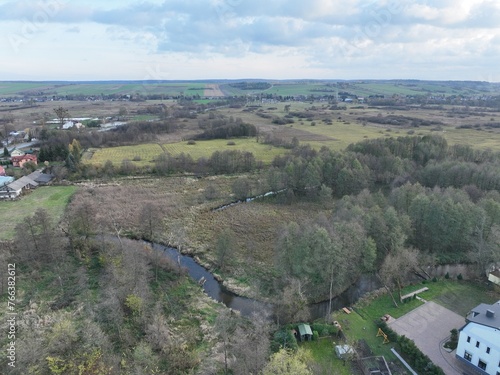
479 340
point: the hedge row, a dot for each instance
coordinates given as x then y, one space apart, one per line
412 354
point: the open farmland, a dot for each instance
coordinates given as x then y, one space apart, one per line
142 154
148 152
51 198
98 88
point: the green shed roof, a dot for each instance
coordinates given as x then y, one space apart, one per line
305 329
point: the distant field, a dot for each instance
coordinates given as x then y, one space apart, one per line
52 198
284 88
342 134
97 88
144 154
148 152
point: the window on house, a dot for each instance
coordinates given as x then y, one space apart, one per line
477 344
488 350
467 356
468 338
482 365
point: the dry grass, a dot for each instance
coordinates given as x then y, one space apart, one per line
189 222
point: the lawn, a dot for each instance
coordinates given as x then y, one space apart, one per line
325 362
52 198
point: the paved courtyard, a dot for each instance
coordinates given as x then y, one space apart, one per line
429 326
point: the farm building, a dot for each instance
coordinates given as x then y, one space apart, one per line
40 177
304 333
5 180
14 189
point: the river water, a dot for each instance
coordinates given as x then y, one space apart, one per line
247 306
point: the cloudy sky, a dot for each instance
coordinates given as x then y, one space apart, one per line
280 39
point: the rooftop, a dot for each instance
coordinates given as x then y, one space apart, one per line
486 315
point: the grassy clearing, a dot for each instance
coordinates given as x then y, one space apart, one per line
263 152
149 151
51 198
474 138
343 134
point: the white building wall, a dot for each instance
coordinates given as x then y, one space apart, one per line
494 279
480 339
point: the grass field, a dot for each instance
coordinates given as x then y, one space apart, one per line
325 361
265 153
51 198
106 88
284 88
148 152
142 154
339 135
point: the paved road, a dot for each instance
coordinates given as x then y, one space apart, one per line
429 326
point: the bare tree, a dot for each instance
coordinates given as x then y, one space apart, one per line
251 345
151 226
292 305
224 245
62 114
225 325
395 267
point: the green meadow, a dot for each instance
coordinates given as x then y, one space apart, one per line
51 198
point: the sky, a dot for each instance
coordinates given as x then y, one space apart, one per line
240 39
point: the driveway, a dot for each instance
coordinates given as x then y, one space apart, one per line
429 326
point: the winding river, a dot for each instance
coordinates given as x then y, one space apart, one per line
247 306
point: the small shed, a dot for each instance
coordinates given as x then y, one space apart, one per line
305 333
494 276
344 351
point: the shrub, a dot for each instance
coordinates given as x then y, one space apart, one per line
447 276
231 143
315 335
191 142
136 158
324 329
460 277
284 338
434 279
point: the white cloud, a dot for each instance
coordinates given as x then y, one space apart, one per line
316 38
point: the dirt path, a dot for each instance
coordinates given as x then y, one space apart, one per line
213 89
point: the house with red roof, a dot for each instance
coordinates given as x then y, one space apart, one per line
2 171
19 161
